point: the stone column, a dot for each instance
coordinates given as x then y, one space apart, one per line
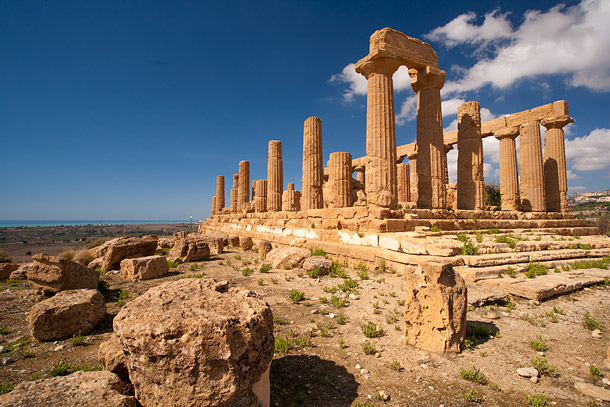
260 199
448 147
427 83
381 188
402 177
413 184
509 179
360 175
313 168
253 190
470 184
213 205
220 192
243 191
555 175
275 178
532 173
234 192
291 199
340 179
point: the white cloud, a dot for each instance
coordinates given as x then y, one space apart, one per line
452 126
572 175
408 110
462 30
449 107
577 188
491 149
452 165
589 153
357 83
571 41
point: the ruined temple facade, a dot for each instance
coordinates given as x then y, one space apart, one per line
394 179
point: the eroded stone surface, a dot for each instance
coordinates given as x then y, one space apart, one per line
144 268
112 356
291 257
189 247
6 269
52 274
323 264
196 342
264 247
115 250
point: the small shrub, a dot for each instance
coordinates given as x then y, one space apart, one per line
595 373
371 330
589 323
193 267
6 388
120 302
536 401
400 302
558 310
265 267
274 280
123 294
337 271
539 344
479 235
493 231
286 344
60 369
435 229
361 267
34 376
462 237
287 266
369 348
79 339
363 275
246 272
338 302
330 290
318 252
511 272
172 264
395 365
296 296
314 273
260 281
67 254
102 286
279 321
300 397
3 330
535 269
469 249
552 317
348 285
505 239
543 367
470 396
473 375
341 319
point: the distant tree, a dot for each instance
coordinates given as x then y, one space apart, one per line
4 257
492 194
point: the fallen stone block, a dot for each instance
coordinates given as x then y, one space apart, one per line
115 250
112 356
245 243
323 264
189 247
52 274
292 257
6 269
144 268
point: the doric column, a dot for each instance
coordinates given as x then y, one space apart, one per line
291 199
260 198
402 179
412 156
509 179
470 183
213 205
340 179
448 147
313 168
427 83
380 187
555 175
220 192
532 173
243 191
360 174
275 178
234 192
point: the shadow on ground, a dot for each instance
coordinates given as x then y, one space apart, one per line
307 380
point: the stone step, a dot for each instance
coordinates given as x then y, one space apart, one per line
475 274
484 260
550 285
480 295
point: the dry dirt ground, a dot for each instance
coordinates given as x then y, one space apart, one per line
327 365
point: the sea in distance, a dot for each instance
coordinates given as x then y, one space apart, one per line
18 223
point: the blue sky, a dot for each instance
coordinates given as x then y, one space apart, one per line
129 110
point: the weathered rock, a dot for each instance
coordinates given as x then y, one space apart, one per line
96 263
115 250
165 243
52 274
607 362
234 241
323 264
592 390
90 389
287 257
435 308
245 242
144 268
21 272
189 247
66 313
196 342
218 241
264 247
112 356
527 372
6 269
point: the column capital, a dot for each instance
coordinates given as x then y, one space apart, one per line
412 155
428 77
556 122
507 132
377 64
448 147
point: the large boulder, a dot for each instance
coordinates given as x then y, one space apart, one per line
289 257
115 250
197 342
245 243
112 356
321 263
52 274
6 269
165 243
189 247
435 308
66 313
217 241
144 268
21 272
234 240
80 389
264 247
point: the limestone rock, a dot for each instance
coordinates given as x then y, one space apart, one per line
144 268
264 247
90 389
96 263
196 342
592 390
165 243
115 250
52 274
65 314
527 372
189 247
21 272
217 240
608 360
113 357
6 269
245 243
292 257
323 264
435 308
234 241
